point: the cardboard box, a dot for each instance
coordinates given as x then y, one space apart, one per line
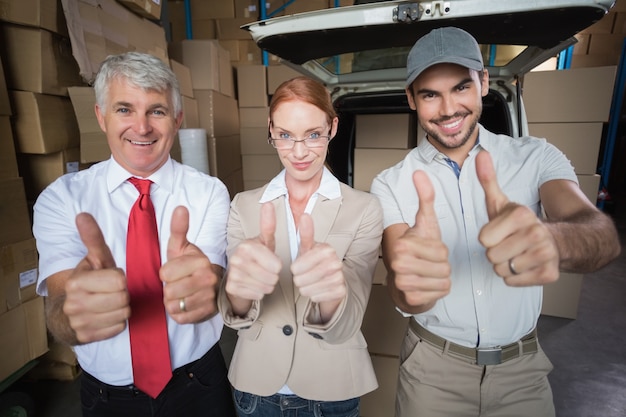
592 61
370 162
380 273
201 56
93 142
46 14
190 113
561 298
227 80
234 182
253 184
306 6
252 85
213 9
250 8
36 327
106 27
8 160
203 29
15 225
39 61
575 95
606 43
582 46
183 74
5 103
218 113
39 171
44 123
231 28
261 168
590 185
59 352
150 9
580 142
254 141
395 131
383 326
224 155
277 74
381 402
604 25
14 349
19 269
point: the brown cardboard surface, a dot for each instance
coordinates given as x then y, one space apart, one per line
252 85
15 223
381 402
37 60
590 184
208 62
47 14
395 131
5 104
150 9
218 113
190 113
261 168
19 262
231 28
43 123
573 95
383 326
254 141
8 160
99 29
580 142
277 74
224 155
561 298
36 327
14 349
370 162
39 171
213 9
183 74
93 141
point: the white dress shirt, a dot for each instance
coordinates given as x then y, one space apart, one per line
104 192
480 309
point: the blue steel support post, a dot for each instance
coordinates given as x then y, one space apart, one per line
188 28
616 106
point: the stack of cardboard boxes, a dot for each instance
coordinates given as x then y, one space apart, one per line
22 321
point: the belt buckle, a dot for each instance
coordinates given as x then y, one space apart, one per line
489 356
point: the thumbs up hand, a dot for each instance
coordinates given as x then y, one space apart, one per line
318 271
96 298
190 279
254 267
419 258
519 245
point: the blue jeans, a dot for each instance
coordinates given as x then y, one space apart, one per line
279 405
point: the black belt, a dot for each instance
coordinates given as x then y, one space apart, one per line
479 356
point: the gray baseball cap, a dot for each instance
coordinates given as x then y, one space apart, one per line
443 45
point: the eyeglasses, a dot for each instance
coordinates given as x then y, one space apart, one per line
314 140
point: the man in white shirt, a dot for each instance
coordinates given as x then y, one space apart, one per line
467 249
81 223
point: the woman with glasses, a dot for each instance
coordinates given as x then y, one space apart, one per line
301 256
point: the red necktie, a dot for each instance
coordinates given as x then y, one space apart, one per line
147 324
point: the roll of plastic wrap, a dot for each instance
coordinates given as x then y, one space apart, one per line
193 149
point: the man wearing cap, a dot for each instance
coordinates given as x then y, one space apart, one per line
467 248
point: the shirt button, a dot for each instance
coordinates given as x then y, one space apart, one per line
479 292
287 330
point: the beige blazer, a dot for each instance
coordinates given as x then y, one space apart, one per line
279 342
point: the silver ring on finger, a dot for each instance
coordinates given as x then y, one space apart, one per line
512 267
182 305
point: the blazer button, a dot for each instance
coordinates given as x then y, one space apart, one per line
287 330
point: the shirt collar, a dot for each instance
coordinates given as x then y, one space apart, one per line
428 152
117 175
277 187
